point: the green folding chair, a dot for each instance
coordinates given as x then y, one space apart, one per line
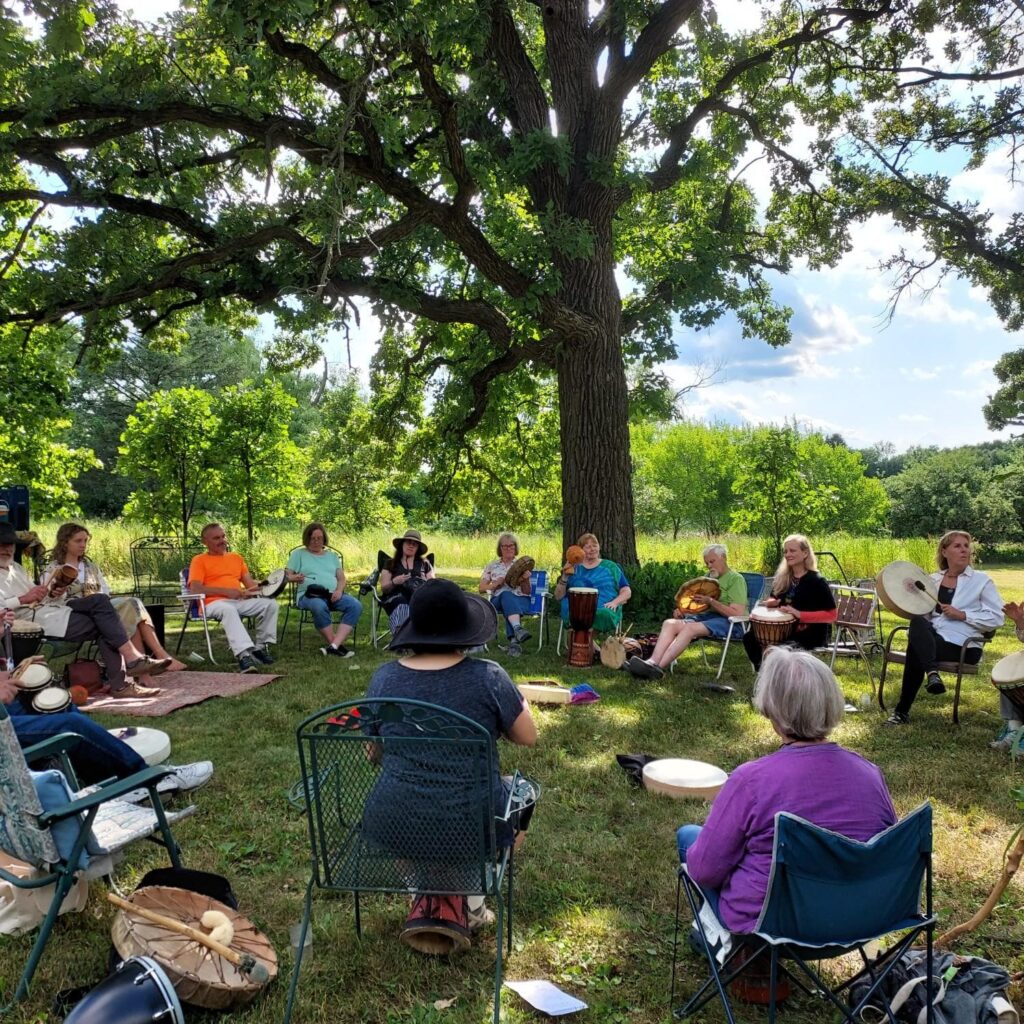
443 837
73 834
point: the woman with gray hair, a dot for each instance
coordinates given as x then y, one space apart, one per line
730 857
513 604
681 630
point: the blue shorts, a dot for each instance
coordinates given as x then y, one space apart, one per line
717 625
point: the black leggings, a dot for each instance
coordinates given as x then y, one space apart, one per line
805 638
925 649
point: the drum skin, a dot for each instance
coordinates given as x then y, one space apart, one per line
771 626
684 779
906 589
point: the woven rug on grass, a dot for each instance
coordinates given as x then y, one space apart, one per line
178 690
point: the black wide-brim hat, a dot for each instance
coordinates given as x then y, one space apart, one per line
443 616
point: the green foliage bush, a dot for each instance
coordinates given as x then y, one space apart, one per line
654 584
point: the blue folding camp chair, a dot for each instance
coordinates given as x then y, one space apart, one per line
827 896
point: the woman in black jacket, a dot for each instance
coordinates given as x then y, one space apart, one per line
804 593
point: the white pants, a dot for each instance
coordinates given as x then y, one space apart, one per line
229 614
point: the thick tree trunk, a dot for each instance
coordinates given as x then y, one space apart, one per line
597 474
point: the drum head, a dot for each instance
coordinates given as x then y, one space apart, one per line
684 779
762 614
613 652
583 590
693 595
1009 669
274 585
33 676
51 699
521 567
152 745
906 589
26 627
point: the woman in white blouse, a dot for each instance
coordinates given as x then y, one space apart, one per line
968 604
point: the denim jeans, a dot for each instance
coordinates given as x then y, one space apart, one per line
98 755
349 607
507 603
686 836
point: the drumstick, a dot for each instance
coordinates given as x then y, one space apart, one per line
8 648
245 962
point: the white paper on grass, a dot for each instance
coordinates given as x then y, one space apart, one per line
547 998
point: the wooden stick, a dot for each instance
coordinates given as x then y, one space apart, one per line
1009 869
245 962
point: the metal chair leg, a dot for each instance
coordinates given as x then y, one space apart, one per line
297 967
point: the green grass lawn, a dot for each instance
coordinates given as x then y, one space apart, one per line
596 880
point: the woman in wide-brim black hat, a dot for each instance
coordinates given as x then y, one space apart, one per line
400 578
444 623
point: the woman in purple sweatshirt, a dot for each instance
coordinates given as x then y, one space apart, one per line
730 857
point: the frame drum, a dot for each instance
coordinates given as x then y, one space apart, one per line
1008 677
771 626
683 779
152 745
273 584
26 639
543 693
906 590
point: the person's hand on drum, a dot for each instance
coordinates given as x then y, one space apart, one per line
36 593
400 579
1015 610
795 612
8 688
771 602
248 592
953 613
7 617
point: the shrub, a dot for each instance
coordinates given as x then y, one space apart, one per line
654 585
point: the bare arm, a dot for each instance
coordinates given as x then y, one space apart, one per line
523 731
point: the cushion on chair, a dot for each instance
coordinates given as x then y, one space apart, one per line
20 806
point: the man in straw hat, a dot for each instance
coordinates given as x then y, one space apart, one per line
77 620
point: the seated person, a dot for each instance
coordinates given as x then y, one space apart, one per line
1011 712
230 591
969 604
801 591
601 574
70 549
508 602
99 755
443 622
76 620
677 632
729 858
407 570
314 564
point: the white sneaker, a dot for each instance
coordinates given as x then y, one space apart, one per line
183 778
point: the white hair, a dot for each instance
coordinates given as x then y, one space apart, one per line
798 694
714 549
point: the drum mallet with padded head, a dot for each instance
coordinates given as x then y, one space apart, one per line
245 962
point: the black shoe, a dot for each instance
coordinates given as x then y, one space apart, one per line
246 663
935 684
262 655
897 718
341 651
643 669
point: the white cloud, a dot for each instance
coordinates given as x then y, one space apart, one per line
916 373
979 368
913 418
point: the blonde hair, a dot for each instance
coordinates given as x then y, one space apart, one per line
798 694
585 538
944 541
783 574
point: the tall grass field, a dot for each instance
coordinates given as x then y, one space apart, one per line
859 556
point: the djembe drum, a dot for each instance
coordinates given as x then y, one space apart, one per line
1008 677
582 612
771 626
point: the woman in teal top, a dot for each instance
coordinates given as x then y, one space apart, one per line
314 566
603 575
677 632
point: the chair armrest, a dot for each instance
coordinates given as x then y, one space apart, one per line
59 744
147 778
892 636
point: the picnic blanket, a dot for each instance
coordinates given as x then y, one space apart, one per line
178 690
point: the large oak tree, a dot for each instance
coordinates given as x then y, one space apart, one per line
487 174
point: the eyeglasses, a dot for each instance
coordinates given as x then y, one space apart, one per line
512 546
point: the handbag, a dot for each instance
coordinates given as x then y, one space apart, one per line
84 673
315 590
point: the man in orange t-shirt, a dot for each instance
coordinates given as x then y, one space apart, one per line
231 593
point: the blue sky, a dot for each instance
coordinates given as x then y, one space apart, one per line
920 379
